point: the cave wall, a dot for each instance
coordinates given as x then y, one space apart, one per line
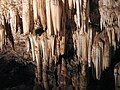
62 34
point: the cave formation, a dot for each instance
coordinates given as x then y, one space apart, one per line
59 44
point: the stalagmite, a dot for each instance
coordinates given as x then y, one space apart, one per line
56 12
26 16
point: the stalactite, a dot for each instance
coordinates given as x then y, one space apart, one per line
56 12
57 46
31 12
38 58
84 15
70 8
78 7
117 33
113 38
62 45
9 33
32 46
90 46
28 44
49 18
103 18
106 55
45 63
26 16
93 60
98 61
35 10
52 46
64 15
84 46
101 53
14 20
109 35
79 45
42 12
2 36
101 46
119 20
70 3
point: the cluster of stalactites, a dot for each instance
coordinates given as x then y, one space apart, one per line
110 20
53 16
